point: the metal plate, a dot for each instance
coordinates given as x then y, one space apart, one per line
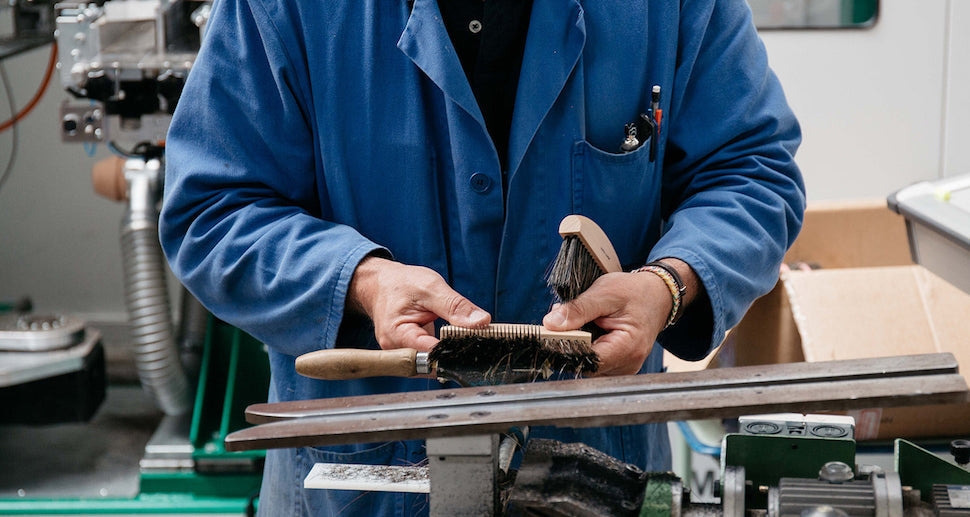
39 332
21 367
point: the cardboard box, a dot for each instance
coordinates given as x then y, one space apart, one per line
863 298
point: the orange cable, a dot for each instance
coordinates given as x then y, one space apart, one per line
51 65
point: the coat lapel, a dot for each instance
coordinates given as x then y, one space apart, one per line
557 35
426 42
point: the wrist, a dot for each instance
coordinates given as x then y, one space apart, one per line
363 285
680 281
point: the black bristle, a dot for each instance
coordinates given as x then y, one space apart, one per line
500 355
573 271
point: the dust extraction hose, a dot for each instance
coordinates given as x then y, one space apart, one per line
146 292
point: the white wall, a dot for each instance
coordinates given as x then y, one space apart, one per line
59 242
956 155
871 103
870 100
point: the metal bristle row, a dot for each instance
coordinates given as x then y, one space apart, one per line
494 330
574 270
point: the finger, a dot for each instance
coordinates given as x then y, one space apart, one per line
412 335
455 308
620 354
575 313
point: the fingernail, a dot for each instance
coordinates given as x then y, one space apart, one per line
555 319
478 316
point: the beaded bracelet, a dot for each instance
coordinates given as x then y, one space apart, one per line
674 284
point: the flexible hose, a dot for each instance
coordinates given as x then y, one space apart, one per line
146 294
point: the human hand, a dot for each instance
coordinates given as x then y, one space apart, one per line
404 301
631 308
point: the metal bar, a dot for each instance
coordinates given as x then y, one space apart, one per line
779 374
592 403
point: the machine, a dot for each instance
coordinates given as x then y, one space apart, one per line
124 63
787 465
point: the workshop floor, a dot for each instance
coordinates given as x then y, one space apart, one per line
94 459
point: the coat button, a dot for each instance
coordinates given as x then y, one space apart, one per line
480 182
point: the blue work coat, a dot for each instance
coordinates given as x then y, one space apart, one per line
311 133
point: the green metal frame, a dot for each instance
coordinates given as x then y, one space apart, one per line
766 459
921 469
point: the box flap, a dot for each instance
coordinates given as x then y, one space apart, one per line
858 313
857 233
949 316
873 312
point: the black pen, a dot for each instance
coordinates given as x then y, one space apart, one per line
655 115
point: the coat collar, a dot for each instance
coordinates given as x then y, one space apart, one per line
557 35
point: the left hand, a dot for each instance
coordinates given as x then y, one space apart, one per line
631 307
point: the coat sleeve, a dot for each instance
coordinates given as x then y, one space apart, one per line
733 197
241 223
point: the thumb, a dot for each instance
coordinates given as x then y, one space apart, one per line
571 315
456 309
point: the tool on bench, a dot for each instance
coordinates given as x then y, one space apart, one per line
499 353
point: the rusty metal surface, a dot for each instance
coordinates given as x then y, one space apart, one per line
719 393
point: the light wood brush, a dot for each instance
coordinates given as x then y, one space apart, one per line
585 255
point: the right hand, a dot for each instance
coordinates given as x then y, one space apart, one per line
404 302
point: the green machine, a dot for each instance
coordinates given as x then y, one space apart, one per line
779 465
792 465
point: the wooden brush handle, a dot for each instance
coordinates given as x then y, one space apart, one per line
594 239
350 363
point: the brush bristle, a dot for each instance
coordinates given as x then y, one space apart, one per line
574 270
546 357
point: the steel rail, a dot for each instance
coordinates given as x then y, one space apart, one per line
886 382
780 374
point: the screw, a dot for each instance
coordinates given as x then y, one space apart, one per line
836 472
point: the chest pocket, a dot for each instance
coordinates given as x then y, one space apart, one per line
621 192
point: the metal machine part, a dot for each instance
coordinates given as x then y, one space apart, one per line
960 449
131 56
27 365
66 384
878 496
951 500
559 479
797 424
146 291
37 333
733 487
33 26
464 475
193 325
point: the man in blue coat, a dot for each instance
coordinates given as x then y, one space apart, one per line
345 173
